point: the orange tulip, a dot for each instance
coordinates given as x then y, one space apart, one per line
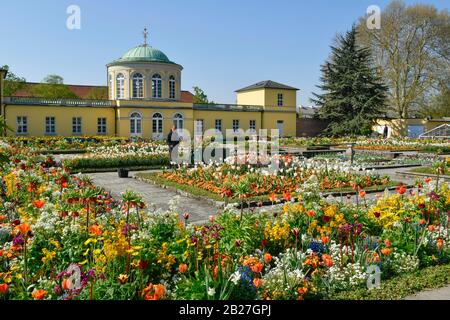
400 189
182 268
257 282
95 230
310 213
38 203
267 257
39 294
273 197
24 228
362 193
387 243
386 251
2 218
325 240
422 222
431 228
287 196
3 288
257 267
440 243
327 260
66 284
159 290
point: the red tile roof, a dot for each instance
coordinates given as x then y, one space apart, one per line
82 91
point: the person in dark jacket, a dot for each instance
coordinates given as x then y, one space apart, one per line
385 131
172 140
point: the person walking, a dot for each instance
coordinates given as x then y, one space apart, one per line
173 140
385 131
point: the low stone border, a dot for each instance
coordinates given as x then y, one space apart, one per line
102 170
393 166
421 175
217 204
254 204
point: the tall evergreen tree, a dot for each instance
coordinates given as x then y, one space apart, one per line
353 95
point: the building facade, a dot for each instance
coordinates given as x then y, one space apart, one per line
146 100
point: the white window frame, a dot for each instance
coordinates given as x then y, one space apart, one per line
76 125
235 125
178 121
101 125
157 123
252 125
172 87
22 125
120 86
138 86
199 126
218 125
280 100
50 125
135 124
156 86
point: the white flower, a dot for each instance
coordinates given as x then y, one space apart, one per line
235 277
211 291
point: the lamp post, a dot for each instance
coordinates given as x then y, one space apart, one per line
3 73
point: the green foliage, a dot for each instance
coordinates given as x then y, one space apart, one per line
12 83
53 79
95 163
98 94
200 96
402 286
353 94
52 91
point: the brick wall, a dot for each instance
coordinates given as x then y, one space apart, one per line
310 127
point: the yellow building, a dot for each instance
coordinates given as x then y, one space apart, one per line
408 127
145 100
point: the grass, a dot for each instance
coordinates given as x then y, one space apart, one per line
429 170
401 286
199 192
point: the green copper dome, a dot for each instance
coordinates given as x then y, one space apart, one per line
144 53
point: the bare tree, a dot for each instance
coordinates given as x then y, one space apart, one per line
411 50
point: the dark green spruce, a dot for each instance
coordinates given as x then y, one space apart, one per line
353 94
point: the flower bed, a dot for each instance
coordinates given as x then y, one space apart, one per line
63 144
63 238
244 181
129 155
375 144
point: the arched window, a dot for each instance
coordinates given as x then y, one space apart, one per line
138 85
111 87
157 124
135 124
120 86
156 86
178 121
172 87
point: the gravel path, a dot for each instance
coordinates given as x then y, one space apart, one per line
199 210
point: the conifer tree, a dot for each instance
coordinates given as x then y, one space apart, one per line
353 94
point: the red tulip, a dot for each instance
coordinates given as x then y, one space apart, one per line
38 203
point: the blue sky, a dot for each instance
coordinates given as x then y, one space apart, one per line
223 45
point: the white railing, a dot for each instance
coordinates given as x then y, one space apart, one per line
60 102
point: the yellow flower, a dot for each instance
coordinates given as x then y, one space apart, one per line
48 255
